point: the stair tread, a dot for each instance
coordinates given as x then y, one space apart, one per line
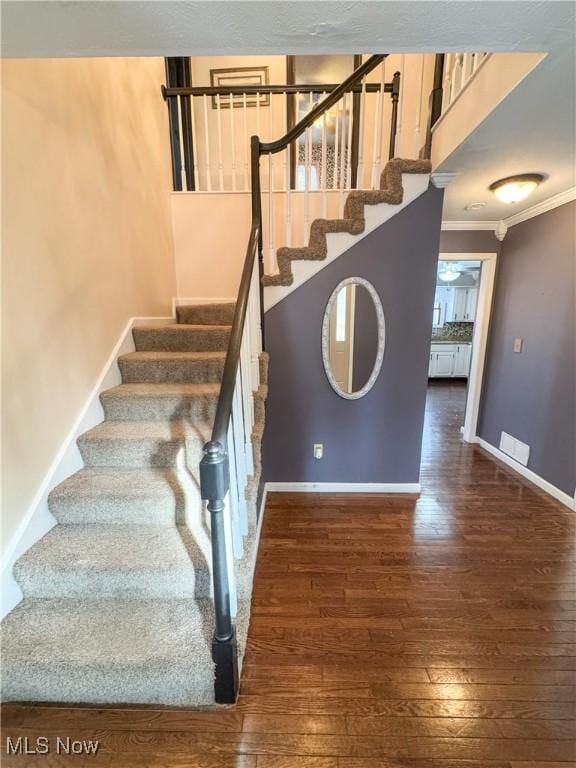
109 651
99 547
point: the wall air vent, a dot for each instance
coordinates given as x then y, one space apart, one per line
514 448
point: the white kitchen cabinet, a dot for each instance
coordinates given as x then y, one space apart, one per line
462 360
463 306
449 360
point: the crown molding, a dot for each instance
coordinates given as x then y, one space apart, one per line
546 205
441 180
448 226
528 213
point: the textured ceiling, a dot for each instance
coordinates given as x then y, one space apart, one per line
57 28
532 131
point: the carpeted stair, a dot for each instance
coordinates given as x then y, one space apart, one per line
391 191
117 602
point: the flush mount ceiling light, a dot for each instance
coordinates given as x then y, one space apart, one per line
449 273
513 189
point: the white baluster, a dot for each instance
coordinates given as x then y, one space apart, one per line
207 138
240 452
288 198
377 137
341 179
181 142
220 161
246 145
234 495
288 236
446 85
305 218
195 145
336 140
323 179
350 98
309 140
360 170
455 76
229 545
255 327
233 142
247 401
271 252
466 67
417 139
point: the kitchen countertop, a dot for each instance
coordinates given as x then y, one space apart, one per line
449 341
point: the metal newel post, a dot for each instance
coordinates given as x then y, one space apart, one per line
214 484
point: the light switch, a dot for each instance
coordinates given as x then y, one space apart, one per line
318 450
517 345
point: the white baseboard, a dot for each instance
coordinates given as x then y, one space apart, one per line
343 488
261 512
38 520
528 474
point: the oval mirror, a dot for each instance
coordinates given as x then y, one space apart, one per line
353 338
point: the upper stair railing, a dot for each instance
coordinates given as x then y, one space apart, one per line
348 154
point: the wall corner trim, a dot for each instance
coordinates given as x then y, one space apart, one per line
38 520
411 488
528 474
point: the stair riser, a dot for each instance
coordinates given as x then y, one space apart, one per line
180 340
78 581
171 372
134 454
158 408
107 684
117 510
206 314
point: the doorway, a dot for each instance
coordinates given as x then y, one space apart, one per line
461 316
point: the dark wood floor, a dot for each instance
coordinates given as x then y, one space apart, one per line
387 631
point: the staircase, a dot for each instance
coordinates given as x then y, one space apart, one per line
401 182
118 605
140 594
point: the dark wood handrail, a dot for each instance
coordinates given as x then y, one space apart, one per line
252 90
214 469
272 147
225 398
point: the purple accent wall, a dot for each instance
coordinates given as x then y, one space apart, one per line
376 439
469 241
532 395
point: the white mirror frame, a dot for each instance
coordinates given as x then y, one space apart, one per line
381 338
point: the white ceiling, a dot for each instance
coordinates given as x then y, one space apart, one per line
56 28
532 131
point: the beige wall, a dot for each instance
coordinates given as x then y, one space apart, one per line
211 228
87 243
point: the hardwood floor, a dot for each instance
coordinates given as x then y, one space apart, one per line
387 632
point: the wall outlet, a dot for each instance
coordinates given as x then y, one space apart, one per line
318 450
517 345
